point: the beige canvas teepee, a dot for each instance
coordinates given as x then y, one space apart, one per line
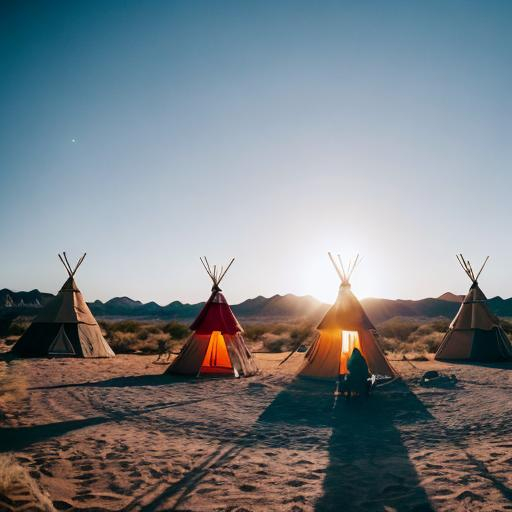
475 334
65 326
217 346
344 327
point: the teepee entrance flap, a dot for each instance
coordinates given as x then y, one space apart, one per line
61 346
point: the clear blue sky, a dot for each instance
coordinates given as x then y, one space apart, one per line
151 133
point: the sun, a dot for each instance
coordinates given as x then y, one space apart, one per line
322 281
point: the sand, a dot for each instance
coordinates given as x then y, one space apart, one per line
118 435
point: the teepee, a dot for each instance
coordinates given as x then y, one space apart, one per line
344 327
475 334
216 346
65 326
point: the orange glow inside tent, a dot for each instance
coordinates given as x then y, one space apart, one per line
216 359
349 341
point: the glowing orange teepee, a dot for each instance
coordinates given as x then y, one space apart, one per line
344 327
216 346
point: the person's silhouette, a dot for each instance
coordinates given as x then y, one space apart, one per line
357 378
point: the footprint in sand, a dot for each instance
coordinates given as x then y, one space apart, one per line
247 488
62 505
470 496
85 476
84 497
205 490
310 476
295 483
302 462
433 466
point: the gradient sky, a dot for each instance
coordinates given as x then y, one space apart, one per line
151 133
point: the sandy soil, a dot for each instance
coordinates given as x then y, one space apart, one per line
118 435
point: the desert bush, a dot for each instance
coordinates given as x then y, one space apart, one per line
254 332
412 335
124 326
122 342
398 328
507 326
275 344
279 328
176 330
19 490
13 386
428 343
18 327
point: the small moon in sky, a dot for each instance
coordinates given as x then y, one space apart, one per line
73 140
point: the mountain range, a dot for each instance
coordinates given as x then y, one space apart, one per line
277 308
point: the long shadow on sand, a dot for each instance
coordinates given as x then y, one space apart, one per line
369 467
123 382
18 438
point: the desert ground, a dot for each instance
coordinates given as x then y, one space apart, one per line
118 435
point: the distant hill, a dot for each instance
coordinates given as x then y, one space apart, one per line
451 297
259 309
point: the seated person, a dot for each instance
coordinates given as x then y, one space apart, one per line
357 378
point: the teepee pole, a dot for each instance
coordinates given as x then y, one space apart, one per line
471 270
342 268
205 267
353 266
335 266
66 258
225 271
462 263
65 266
478 275
210 273
79 263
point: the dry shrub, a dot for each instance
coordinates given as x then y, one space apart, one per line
122 342
13 387
144 337
274 343
412 335
176 330
254 332
507 326
398 328
18 490
18 327
427 343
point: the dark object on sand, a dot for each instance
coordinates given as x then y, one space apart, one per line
302 348
436 379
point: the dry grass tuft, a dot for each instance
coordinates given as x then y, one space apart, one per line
18 490
12 387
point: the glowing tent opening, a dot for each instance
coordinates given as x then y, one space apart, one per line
216 359
349 341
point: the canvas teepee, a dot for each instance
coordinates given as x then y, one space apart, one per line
216 346
65 326
344 327
475 334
